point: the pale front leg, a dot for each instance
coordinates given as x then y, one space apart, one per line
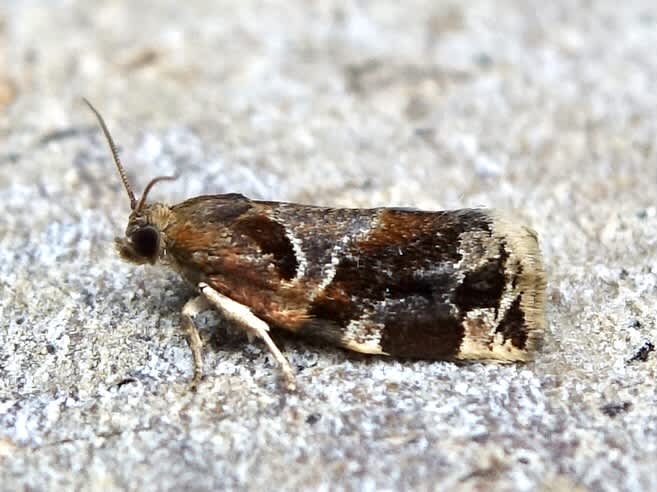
250 323
189 311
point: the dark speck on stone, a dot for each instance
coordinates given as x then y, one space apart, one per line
643 353
614 409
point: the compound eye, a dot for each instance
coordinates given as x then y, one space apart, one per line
146 241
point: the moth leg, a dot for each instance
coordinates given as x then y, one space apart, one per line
251 324
189 311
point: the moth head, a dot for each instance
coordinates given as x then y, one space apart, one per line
144 239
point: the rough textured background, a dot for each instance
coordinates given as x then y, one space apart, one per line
549 108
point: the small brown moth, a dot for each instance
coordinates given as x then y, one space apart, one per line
461 284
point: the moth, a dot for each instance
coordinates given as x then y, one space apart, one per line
447 285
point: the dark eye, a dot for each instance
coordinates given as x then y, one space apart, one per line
145 241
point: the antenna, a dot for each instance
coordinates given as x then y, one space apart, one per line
142 200
117 161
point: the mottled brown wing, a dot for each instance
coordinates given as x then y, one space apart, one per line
456 284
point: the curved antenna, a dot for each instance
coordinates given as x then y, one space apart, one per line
115 156
147 190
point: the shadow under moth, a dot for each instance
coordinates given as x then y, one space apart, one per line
451 285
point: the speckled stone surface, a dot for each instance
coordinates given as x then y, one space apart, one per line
545 108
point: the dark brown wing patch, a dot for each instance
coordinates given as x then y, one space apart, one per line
513 325
483 287
270 236
423 329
